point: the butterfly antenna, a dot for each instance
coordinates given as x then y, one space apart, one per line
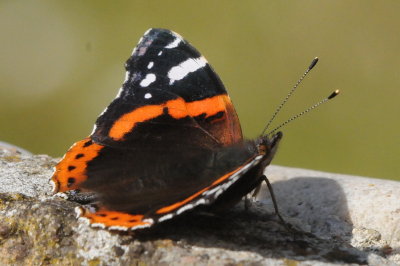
333 95
313 63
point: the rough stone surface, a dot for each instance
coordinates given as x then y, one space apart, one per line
336 219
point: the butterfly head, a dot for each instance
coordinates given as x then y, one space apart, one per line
267 145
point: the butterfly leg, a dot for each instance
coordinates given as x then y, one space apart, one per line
257 190
271 191
247 203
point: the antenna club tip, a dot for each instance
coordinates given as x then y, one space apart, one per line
313 63
334 94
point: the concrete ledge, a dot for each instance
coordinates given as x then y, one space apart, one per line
365 212
339 219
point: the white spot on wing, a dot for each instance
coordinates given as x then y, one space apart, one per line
119 92
140 226
174 43
201 201
147 96
216 191
219 192
98 225
159 53
212 191
150 65
105 110
150 78
148 220
165 217
126 76
93 130
184 208
118 227
180 71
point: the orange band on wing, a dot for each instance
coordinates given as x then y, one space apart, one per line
208 106
177 108
115 218
126 122
181 203
71 170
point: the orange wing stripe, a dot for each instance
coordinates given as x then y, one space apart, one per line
71 170
114 218
128 121
216 182
208 106
177 108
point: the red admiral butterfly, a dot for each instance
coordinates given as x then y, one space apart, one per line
170 142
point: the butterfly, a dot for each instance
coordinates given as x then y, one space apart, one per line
169 143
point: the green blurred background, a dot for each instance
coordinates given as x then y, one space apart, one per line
62 63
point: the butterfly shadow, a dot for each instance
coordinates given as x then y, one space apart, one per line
315 208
